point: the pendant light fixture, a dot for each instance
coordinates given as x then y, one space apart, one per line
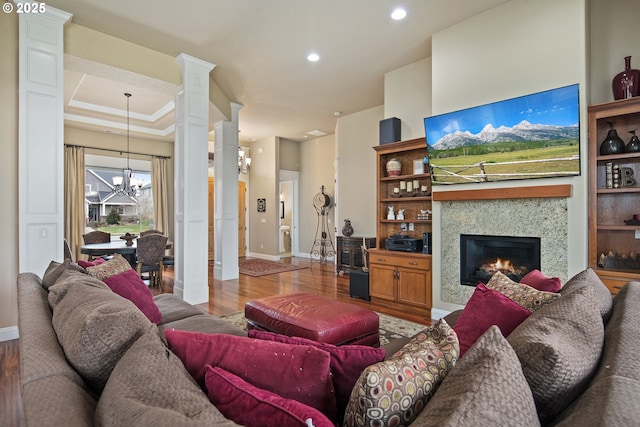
126 184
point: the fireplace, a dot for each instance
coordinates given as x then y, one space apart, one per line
481 256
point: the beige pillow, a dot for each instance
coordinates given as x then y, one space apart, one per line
150 387
559 347
394 391
589 278
486 388
95 326
116 265
55 270
523 295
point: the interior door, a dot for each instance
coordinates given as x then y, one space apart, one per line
242 218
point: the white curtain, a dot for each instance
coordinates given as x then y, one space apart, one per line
74 209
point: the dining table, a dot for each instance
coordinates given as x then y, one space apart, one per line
113 247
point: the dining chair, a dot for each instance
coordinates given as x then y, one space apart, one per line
96 236
167 260
149 253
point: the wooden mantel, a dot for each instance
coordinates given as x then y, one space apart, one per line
542 191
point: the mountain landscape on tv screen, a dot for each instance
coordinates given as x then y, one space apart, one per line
522 132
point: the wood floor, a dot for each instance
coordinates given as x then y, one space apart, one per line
224 298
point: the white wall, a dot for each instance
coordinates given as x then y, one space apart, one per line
407 95
516 49
356 170
317 168
615 33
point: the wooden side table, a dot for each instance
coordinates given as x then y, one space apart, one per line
349 250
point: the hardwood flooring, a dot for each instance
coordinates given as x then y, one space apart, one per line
224 298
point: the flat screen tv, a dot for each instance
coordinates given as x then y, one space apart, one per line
532 136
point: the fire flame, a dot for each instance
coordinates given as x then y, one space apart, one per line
502 266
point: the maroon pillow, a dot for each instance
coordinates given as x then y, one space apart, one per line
291 371
347 361
485 308
85 264
251 406
537 280
130 286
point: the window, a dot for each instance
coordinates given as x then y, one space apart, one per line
135 213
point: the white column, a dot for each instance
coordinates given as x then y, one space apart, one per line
41 139
190 187
226 194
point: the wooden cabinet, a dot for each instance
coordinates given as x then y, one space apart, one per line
402 278
349 250
614 244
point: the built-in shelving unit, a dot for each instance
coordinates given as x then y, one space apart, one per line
402 279
614 244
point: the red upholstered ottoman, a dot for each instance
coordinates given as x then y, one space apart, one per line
314 317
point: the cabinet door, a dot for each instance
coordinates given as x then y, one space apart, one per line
412 287
382 281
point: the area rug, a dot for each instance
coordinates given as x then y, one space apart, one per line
261 267
391 328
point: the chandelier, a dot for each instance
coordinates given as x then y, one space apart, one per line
244 162
126 184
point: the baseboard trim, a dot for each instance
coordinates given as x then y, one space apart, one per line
438 314
8 334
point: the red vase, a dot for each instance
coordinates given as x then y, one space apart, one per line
626 84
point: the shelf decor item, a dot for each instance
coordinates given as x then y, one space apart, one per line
394 167
612 144
626 84
347 230
633 146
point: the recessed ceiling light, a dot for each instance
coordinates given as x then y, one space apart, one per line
398 14
313 57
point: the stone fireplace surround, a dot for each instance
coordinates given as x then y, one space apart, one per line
545 216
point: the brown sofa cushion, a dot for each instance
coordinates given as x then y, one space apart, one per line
95 327
589 278
559 346
150 387
485 388
173 308
56 269
612 396
205 323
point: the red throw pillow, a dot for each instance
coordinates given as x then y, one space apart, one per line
485 308
537 280
251 406
347 361
85 264
130 286
295 372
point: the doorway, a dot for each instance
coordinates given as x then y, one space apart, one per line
242 218
288 222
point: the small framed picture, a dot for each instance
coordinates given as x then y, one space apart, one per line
262 205
418 167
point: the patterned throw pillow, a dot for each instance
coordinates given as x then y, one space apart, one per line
394 391
523 295
115 265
